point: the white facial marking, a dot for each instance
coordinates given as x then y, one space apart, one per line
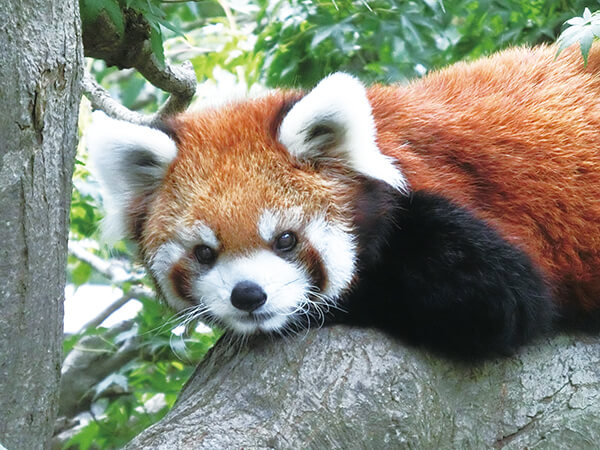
199 233
161 264
335 120
272 223
286 285
336 246
170 252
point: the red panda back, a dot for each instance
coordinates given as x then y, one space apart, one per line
515 138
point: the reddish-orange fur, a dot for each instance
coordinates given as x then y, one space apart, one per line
515 138
223 152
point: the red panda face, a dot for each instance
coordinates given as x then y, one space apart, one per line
246 215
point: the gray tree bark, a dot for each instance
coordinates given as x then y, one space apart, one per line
348 388
41 64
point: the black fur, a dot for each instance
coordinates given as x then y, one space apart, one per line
432 273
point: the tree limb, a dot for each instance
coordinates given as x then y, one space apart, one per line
88 363
115 271
349 388
101 99
134 292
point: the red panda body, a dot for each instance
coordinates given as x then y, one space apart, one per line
516 139
453 211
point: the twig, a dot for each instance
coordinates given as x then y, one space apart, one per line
113 270
134 292
132 48
101 99
177 102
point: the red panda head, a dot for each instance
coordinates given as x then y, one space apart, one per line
247 214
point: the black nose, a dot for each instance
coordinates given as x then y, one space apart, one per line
248 296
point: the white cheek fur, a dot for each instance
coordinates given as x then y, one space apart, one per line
337 248
160 266
286 284
162 262
334 243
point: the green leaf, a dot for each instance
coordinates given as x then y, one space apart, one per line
156 42
91 9
127 334
576 21
321 35
570 36
81 273
85 437
585 43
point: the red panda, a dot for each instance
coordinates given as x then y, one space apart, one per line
461 211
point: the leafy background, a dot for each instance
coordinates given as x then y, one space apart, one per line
238 47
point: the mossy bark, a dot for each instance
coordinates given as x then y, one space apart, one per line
349 388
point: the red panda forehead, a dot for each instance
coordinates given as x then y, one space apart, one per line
233 206
229 170
227 127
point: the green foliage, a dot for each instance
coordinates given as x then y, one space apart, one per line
391 40
272 43
141 392
91 9
582 30
114 10
144 388
156 18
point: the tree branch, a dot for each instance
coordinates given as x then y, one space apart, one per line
88 363
101 99
341 387
114 270
134 292
132 48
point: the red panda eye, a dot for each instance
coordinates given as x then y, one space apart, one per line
286 241
204 254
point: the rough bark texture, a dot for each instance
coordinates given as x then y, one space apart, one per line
349 388
40 74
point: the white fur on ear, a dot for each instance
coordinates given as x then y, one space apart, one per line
129 161
335 120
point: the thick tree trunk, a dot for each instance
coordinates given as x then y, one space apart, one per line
40 74
350 388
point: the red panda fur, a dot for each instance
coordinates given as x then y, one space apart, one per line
236 153
484 211
514 138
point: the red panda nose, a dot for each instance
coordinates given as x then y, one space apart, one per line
248 296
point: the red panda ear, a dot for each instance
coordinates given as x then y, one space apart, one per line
129 161
335 121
